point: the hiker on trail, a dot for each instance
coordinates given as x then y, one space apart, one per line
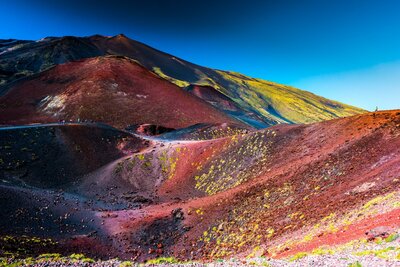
376 109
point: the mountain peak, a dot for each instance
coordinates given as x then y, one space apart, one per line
121 36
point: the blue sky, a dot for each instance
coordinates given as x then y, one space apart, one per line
347 50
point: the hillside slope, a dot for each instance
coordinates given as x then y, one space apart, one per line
112 90
253 101
55 155
292 186
294 189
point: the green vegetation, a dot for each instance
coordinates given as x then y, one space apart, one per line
48 257
355 264
242 151
247 224
80 257
381 253
177 82
392 237
162 260
169 160
152 164
283 103
273 102
215 133
322 251
298 256
16 246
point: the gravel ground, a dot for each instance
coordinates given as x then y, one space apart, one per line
373 254
337 260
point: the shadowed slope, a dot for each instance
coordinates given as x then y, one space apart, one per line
24 58
39 164
56 155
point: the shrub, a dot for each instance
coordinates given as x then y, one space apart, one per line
392 237
162 260
298 256
355 264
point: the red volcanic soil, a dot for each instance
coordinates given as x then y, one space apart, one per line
309 172
113 90
245 192
388 221
213 96
223 102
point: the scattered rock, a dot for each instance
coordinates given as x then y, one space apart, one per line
178 214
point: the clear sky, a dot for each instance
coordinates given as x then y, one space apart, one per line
347 50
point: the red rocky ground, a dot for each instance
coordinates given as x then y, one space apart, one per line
273 192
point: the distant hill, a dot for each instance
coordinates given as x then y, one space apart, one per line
113 90
255 102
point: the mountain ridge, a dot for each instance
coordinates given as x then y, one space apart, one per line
256 109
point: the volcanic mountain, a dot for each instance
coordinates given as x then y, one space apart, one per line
113 90
113 149
254 102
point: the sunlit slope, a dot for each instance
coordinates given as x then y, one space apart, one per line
284 103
